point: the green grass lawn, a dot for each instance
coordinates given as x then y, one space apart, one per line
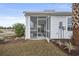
30 47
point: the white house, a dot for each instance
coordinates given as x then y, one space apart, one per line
45 24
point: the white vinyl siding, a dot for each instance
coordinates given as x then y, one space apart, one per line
55 32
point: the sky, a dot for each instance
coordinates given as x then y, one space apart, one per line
11 13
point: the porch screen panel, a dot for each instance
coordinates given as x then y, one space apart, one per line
33 27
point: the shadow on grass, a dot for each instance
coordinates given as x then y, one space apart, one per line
11 41
4 42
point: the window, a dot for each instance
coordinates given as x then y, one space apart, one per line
69 24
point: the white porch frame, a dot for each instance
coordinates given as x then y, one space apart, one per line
37 28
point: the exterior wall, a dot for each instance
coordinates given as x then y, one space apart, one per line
55 33
27 29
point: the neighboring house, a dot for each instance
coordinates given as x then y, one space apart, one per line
51 25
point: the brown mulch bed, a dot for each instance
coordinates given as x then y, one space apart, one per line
73 53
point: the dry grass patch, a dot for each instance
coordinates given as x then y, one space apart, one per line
30 47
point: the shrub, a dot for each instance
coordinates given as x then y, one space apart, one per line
19 29
1 31
1 38
69 46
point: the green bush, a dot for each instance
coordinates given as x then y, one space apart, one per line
19 29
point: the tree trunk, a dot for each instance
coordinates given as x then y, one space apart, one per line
75 17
